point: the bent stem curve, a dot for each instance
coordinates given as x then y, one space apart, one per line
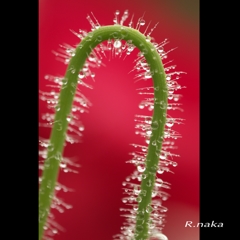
60 124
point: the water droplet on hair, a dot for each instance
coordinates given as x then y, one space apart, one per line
148 120
141 168
174 164
117 44
170 122
160 171
81 128
55 231
63 164
142 22
81 75
154 194
135 208
147 75
168 77
163 156
159 182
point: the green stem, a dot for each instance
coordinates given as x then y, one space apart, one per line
58 134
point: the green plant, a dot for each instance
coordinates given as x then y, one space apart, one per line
147 215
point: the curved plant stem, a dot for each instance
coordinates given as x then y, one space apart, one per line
57 138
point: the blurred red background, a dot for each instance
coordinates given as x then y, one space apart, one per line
109 125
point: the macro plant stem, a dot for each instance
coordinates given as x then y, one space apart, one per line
60 124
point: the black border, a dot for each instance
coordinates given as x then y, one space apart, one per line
19 113
219 142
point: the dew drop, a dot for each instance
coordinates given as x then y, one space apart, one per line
141 105
160 171
59 126
168 77
151 107
153 169
57 108
154 143
141 168
143 192
117 44
139 199
64 81
144 149
148 39
139 228
63 165
164 209
57 188
135 208
142 22
149 209
144 176
151 225
148 120
163 156
81 75
81 128
154 125
176 99
159 182
50 147
154 193
164 198
147 75
149 183
174 164
163 105
170 122
117 12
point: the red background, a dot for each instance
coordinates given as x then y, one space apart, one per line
109 125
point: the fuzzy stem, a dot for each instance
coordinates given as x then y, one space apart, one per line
58 134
